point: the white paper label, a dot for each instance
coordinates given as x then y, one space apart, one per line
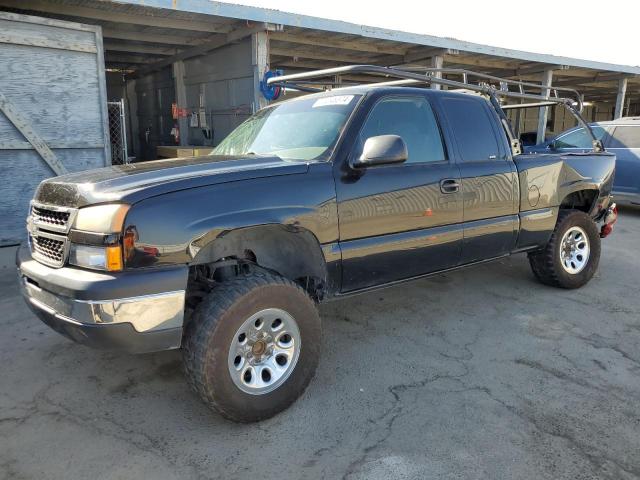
335 100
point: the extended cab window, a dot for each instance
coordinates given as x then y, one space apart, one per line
472 127
625 137
410 118
579 138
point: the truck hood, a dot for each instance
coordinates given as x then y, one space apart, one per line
135 182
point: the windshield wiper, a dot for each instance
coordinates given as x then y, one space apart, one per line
254 154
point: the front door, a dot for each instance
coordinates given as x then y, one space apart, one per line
625 143
404 220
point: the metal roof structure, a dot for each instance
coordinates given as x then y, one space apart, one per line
256 14
143 35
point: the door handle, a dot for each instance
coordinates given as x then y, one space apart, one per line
449 185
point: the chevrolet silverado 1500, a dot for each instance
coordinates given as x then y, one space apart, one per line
226 256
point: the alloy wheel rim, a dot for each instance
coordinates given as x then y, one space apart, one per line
264 351
574 250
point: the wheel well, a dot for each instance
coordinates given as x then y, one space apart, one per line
581 200
292 253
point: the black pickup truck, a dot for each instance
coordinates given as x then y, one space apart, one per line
321 196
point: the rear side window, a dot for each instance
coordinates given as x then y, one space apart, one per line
412 119
472 128
579 138
625 137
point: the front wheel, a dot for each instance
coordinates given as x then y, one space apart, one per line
571 257
252 346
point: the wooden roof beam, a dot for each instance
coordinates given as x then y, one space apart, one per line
152 37
85 13
304 64
594 80
537 69
531 73
133 48
128 58
423 53
221 41
320 54
326 41
471 63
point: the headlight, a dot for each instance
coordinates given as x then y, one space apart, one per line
101 218
100 258
104 220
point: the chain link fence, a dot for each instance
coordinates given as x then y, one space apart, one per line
117 133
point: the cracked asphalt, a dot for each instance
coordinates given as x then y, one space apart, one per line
480 373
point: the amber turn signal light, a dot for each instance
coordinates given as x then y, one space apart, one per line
114 258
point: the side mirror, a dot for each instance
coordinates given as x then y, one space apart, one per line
382 150
598 146
552 145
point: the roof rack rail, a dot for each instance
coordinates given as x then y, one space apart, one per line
467 79
489 85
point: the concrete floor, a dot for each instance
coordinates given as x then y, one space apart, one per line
481 373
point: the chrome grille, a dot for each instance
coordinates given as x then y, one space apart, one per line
50 217
49 249
45 216
48 226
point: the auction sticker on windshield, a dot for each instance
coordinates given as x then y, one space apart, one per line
335 100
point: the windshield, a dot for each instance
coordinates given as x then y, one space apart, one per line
579 138
301 130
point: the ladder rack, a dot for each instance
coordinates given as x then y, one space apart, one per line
495 88
484 83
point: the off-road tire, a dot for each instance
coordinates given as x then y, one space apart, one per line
546 263
213 327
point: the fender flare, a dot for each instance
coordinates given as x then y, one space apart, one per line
292 251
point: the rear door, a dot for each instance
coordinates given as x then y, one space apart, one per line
625 143
396 221
489 177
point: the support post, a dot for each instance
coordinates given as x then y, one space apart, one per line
260 61
547 77
622 91
437 61
627 107
584 111
517 122
132 108
181 100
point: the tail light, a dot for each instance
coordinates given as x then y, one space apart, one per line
610 217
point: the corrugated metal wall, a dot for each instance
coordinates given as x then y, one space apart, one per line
225 79
154 94
53 88
220 82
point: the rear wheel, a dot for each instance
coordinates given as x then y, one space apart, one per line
571 257
252 346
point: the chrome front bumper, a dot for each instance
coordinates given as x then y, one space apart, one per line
89 307
145 313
